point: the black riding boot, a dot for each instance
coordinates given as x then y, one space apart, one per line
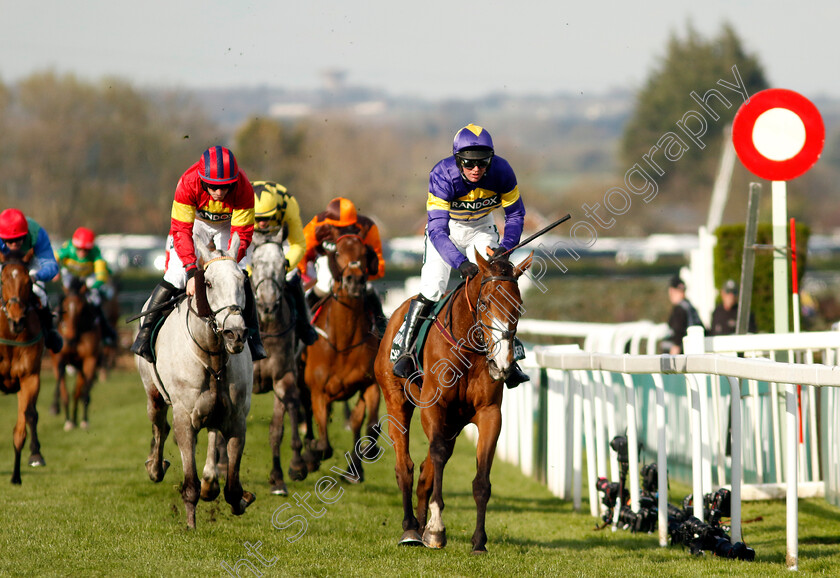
304 329
52 338
252 322
374 305
405 365
142 346
516 376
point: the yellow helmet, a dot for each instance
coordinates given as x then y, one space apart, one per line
265 199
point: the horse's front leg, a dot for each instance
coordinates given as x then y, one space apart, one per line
185 438
234 494
32 385
320 412
210 475
291 400
55 407
489 424
275 438
157 409
89 371
440 449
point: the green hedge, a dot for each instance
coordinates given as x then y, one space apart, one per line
728 260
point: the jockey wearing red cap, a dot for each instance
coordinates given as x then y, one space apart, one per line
213 200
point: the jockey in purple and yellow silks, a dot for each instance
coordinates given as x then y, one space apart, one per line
464 190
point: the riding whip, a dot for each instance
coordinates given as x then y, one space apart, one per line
532 237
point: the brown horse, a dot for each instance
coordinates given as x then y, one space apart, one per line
21 347
340 363
467 355
277 373
78 325
111 308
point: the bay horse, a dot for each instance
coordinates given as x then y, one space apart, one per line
340 363
277 373
203 369
21 348
82 334
466 358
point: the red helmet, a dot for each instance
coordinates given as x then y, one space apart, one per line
83 238
13 224
218 166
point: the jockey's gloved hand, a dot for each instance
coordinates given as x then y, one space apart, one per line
497 252
468 269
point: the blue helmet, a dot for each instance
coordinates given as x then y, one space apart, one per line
472 142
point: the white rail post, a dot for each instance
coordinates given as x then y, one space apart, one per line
777 434
577 440
792 550
591 451
737 464
696 444
632 441
720 435
661 459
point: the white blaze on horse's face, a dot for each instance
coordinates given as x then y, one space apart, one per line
268 279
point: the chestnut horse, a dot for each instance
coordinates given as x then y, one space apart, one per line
466 358
78 325
340 363
277 373
21 347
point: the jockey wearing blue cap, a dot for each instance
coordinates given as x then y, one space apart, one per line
464 190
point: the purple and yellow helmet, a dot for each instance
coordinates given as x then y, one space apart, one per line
472 142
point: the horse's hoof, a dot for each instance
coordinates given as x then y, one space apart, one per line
84 425
354 480
156 476
54 409
480 550
298 473
36 461
279 488
69 425
434 540
246 500
209 490
16 480
411 538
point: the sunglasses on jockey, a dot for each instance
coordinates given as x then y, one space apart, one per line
473 163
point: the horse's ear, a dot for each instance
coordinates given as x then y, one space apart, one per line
202 306
482 262
523 266
235 241
372 261
202 251
29 254
280 235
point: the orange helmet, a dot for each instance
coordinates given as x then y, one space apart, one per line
83 238
13 224
341 212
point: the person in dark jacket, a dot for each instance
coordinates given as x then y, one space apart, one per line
683 316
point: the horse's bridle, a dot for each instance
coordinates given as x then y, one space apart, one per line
275 307
12 300
210 320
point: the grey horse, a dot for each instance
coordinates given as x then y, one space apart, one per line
203 369
278 372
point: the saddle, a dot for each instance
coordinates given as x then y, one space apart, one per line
423 333
164 314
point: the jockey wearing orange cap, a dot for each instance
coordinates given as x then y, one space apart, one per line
341 218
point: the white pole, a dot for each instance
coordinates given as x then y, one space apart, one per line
759 447
601 444
720 435
610 400
792 549
737 466
696 444
661 459
577 441
632 441
777 436
586 388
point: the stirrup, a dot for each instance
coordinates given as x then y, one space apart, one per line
405 365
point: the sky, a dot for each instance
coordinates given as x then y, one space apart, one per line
430 49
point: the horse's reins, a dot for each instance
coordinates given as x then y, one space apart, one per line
334 297
276 308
